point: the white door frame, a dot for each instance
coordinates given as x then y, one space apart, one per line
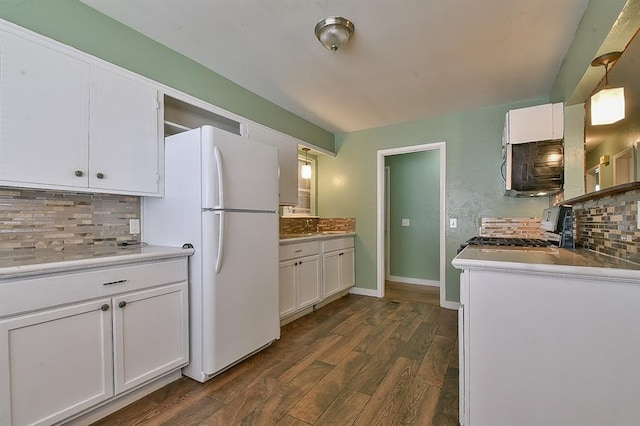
380 264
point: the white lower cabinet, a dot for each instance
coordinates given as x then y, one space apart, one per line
56 362
314 270
300 276
338 263
149 334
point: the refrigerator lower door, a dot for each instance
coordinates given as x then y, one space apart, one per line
240 302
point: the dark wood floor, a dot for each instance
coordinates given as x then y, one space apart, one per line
359 360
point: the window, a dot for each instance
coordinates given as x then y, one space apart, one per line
306 192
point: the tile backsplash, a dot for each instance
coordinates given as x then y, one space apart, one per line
303 225
609 225
36 219
511 227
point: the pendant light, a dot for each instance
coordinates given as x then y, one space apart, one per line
305 171
607 106
334 32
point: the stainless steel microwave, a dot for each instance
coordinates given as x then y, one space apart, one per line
534 168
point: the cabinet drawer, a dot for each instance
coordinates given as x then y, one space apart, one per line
45 291
337 244
289 251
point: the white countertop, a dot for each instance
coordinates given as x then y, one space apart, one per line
15 263
576 262
296 238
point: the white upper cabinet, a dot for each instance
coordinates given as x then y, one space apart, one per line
287 160
68 122
44 115
533 124
123 144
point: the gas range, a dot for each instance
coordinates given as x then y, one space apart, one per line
507 241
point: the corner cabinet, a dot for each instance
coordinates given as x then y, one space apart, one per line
287 160
72 341
69 122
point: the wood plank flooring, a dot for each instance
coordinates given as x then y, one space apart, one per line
357 361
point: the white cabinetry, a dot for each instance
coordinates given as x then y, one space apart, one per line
338 261
73 340
68 123
124 154
533 124
542 343
55 363
300 276
44 115
287 160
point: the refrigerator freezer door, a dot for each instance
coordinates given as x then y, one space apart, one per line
240 302
240 174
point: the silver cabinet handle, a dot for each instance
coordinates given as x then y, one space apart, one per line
104 307
79 173
298 251
122 304
100 175
115 282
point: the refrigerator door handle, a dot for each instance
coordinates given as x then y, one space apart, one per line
218 157
220 214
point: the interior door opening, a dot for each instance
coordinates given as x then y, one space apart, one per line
384 216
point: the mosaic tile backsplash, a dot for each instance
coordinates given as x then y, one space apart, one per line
48 220
305 225
513 227
609 225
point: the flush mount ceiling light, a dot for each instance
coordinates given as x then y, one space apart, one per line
607 106
334 32
305 171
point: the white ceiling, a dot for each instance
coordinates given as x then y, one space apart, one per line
407 60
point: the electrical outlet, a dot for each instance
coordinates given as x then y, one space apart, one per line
134 226
453 222
406 222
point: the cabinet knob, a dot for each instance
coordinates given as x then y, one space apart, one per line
100 175
79 173
104 307
122 304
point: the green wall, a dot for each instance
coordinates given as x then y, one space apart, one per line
77 25
474 187
414 192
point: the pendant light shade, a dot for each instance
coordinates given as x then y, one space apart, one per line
608 104
334 32
305 171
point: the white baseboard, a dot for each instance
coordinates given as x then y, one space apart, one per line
418 281
364 291
451 305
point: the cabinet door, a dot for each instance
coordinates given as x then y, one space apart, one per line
287 169
287 287
150 334
125 135
55 363
347 268
44 107
531 124
308 281
331 273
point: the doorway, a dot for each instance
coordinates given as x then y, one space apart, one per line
382 214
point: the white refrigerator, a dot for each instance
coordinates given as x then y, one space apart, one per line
221 196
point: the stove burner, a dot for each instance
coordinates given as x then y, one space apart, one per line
511 241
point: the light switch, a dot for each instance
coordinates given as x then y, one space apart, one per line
453 222
406 222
